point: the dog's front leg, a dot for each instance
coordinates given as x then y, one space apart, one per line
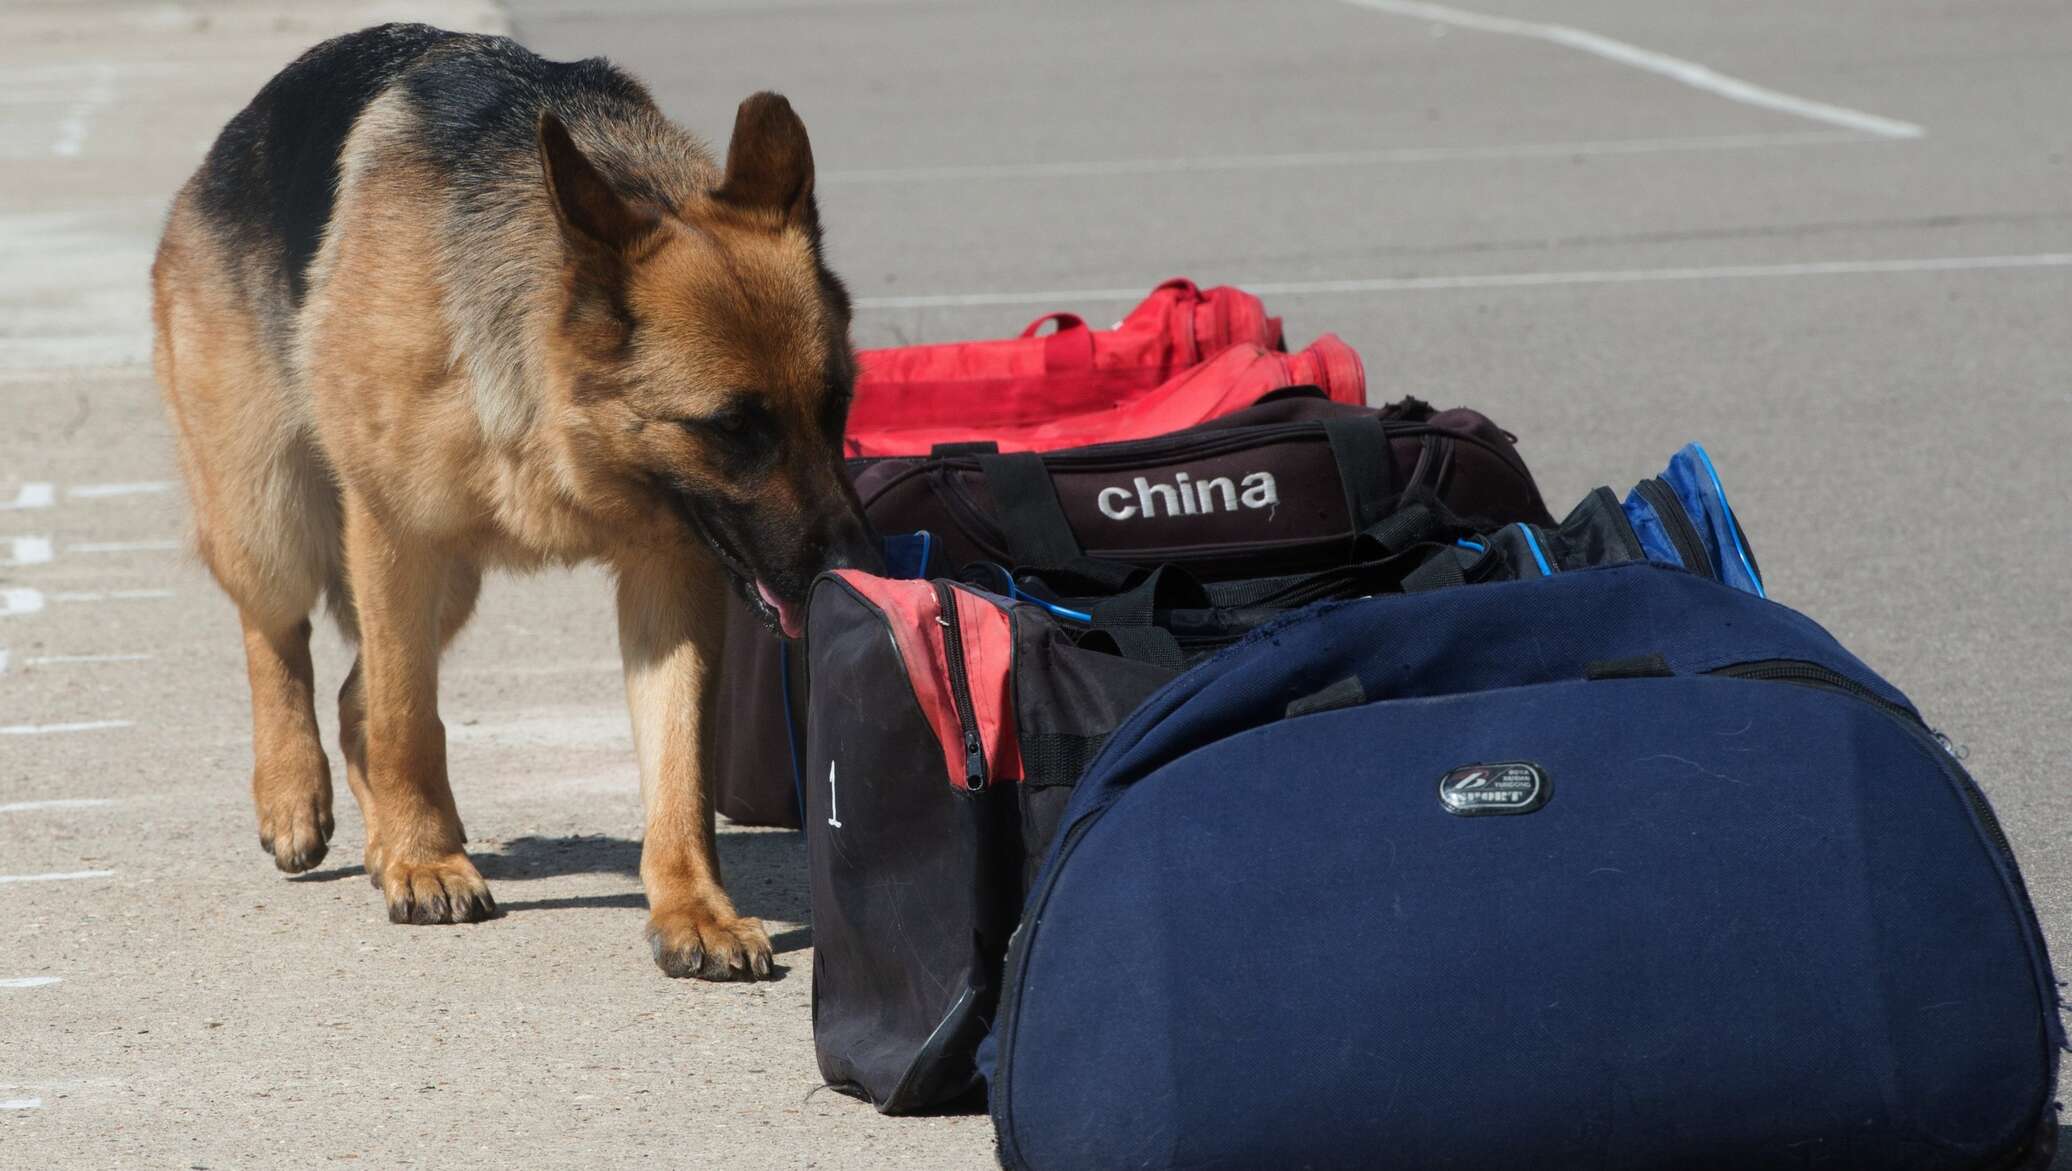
670 624
405 599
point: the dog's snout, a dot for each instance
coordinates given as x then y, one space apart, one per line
856 547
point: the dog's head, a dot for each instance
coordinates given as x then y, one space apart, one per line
705 356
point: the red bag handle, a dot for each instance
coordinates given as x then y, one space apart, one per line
1068 349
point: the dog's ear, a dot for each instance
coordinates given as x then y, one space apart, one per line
770 162
583 200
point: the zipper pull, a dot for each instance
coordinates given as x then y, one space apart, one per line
1956 751
974 762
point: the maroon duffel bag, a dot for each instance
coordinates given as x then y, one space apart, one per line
1280 487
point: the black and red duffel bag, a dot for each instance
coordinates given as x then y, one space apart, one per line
948 724
946 729
1281 487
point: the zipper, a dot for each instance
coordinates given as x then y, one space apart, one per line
1016 968
960 687
1677 524
1137 452
1806 674
1424 474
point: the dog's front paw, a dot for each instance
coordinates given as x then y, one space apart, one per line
294 822
442 890
709 946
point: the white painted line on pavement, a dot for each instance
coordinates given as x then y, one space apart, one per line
599 667
59 660
100 491
99 353
78 120
1504 280
547 730
21 1103
20 600
122 546
1346 158
1690 73
68 876
110 595
35 494
30 981
53 729
55 803
27 551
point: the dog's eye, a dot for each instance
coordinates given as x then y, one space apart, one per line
731 422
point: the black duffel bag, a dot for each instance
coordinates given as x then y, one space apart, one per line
1280 487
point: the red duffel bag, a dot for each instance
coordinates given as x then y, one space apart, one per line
1010 384
1234 379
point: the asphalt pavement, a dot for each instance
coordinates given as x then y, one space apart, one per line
1831 240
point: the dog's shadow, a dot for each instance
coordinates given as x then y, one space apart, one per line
765 872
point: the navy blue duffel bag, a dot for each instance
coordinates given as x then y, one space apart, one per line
1618 868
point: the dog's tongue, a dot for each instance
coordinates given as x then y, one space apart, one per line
787 617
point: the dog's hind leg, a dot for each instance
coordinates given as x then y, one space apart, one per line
265 517
291 780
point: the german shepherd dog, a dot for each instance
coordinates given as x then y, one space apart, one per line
433 305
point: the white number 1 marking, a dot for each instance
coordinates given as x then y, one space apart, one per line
832 818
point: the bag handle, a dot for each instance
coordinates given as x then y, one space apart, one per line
1305 390
1167 587
1029 512
1366 467
1144 644
1068 349
1128 622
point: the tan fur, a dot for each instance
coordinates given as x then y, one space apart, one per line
458 395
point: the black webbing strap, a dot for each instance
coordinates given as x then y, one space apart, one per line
1439 571
1648 666
1127 623
1164 588
1414 522
1028 509
1145 644
1084 577
1251 591
1366 467
1058 758
1347 692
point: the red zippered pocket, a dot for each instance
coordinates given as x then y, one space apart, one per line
957 646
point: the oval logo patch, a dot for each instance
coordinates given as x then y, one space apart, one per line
1511 787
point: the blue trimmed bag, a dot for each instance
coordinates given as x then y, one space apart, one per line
1623 867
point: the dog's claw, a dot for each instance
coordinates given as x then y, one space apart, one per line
449 890
710 947
296 830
